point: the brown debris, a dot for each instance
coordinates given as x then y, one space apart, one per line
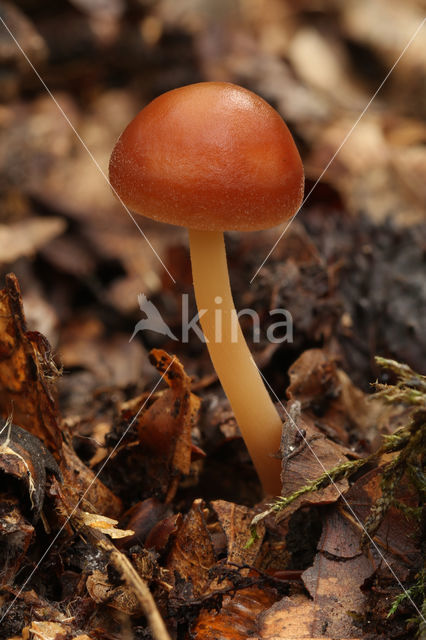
27 372
235 521
292 618
306 455
16 534
22 456
238 618
329 399
335 580
81 481
171 465
165 428
122 597
398 535
192 553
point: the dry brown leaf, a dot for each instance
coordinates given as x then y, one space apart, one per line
122 597
398 535
329 398
142 517
161 533
335 579
26 237
370 172
323 404
27 372
321 62
238 617
336 590
338 539
72 183
235 520
387 26
291 618
192 553
340 568
24 457
80 481
165 427
305 459
46 630
26 34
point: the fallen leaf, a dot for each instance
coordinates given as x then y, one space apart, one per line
397 537
291 618
306 455
26 237
330 399
112 361
27 372
165 427
397 25
142 517
24 457
335 580
122 598
46 630
153 524
192 553
239 617
160 534
26 34
81 481
35 609
236 520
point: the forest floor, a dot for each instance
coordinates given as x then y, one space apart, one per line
127 496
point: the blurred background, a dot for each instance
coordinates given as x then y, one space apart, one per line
351 267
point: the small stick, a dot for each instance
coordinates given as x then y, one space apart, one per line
142 592
123 565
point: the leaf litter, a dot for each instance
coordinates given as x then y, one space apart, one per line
139 506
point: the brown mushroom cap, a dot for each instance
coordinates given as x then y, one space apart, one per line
210 156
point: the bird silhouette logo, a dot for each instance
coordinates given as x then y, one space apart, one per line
153 321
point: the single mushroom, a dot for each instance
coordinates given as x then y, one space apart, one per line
212 157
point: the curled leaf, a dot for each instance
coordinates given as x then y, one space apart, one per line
165 427
27 372
24 457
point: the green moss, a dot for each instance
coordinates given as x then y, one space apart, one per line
416 592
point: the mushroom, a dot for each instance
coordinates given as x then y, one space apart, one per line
214 156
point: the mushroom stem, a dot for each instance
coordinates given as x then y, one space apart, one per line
254 410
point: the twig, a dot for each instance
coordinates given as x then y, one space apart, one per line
142 592
129 574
